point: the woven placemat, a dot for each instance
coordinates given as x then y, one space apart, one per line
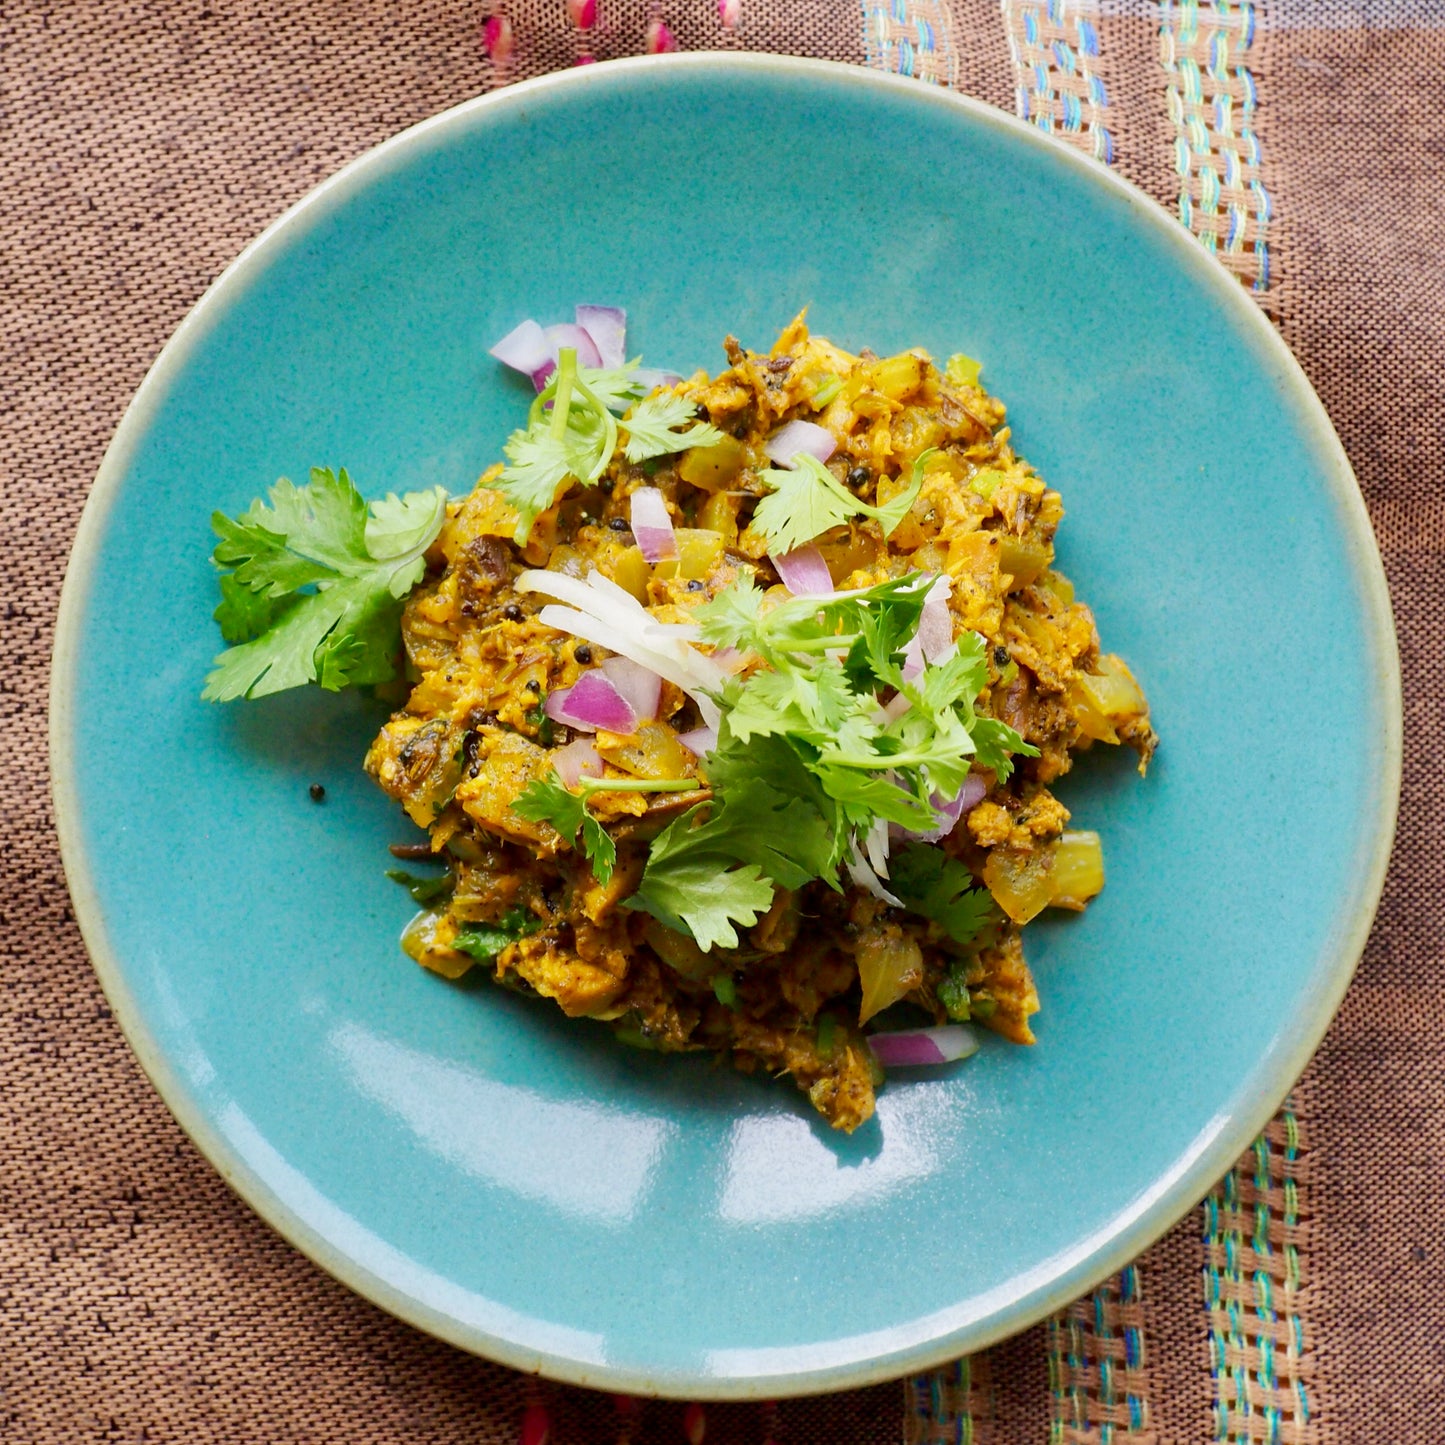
143 144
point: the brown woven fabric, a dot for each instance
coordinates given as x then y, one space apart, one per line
141 145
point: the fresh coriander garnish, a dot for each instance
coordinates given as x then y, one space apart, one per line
652 428
571 434
425 889
936 886
807 499
484 941
808 760
312 585
550 800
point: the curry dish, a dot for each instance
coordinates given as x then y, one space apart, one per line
822 961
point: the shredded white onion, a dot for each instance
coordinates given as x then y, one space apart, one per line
602 612
935 624
865 877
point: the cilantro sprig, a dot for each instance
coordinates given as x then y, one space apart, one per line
312 585
550 800
806 500
808 761
572 434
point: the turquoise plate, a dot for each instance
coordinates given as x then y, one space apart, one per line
514 1182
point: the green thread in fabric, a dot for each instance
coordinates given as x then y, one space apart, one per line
1054 46
1096 1367
1212 101
1252 1280
910 37
939 1408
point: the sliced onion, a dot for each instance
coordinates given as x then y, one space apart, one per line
602 612
700 740
569 334
649 378
800 436
639 685
866 878
804 572
895 707
914 1048
935 625
970 795
579 759
875 843
525 348
607 326
592 702
913 658
651 525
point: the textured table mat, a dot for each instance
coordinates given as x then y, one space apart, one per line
143 144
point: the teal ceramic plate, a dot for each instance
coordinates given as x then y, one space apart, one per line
516 1183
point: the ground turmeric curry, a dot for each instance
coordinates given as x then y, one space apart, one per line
809 577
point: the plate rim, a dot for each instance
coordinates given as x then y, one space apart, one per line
1157 1210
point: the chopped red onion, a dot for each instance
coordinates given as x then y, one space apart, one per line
913 1048
601 612
525 348
970 795
641 687
800 436
895 707
700 740
804 572
651 525
649 378
569 334
913 658
578 760
606 325
592 702
935 624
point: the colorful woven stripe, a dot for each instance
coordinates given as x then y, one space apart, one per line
1254 1228
948 1405
1097 1380
1055 52
1212 99
910 37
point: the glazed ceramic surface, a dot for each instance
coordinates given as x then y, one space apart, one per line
518 1183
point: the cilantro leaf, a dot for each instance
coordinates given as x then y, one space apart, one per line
425 889
695 890
994 741
241 613
808 500
734 617
484 941
805 501
652 428
572 442
931 883
316 536
549 800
